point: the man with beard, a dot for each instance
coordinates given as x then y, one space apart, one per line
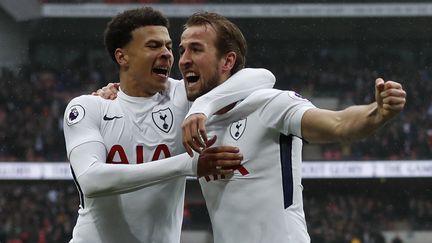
262 200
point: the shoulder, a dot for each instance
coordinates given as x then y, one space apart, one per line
172 87
262 97
82 106
273 93
86 100
174 83
267 93
272 100
177 92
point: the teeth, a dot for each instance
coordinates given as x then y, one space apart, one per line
161 70
189 74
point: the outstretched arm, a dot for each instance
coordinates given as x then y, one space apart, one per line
236 88
354 122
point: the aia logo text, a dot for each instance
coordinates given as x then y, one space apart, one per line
118 151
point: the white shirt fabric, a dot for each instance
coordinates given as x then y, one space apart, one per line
110 143
262 201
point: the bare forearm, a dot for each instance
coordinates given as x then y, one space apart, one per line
352 123
358 122
355 122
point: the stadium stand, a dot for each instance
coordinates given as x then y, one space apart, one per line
33 108
336 212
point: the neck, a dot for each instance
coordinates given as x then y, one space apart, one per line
133 87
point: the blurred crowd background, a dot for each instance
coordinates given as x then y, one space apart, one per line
33 101
336 211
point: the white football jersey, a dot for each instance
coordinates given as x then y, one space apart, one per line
134 130
262 201
110 142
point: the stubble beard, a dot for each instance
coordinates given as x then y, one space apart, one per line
206 87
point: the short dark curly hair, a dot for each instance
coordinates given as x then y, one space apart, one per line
118 32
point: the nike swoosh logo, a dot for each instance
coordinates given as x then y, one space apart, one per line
111 118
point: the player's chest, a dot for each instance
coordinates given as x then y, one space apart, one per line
258 145
248 134
136 139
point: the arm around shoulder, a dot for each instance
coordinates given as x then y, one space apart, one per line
237 87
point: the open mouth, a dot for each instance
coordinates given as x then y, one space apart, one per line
161 71
191 77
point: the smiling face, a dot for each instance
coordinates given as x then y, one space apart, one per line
146 61
202 67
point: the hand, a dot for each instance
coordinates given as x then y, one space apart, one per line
390 98
220 160
194 133
108 92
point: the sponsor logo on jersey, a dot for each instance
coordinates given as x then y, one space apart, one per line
240 168
75 114
237 129
163 119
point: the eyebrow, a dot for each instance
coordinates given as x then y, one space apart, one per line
159 41
192 44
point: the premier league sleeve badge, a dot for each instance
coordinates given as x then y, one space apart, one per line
75 114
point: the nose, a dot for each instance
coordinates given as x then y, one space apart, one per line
167 53
185 60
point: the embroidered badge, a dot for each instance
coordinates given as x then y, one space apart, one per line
163 119
75 114
295 95
237 129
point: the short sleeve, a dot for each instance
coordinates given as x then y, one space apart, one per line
284 111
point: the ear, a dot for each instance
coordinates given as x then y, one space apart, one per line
121 57
229 61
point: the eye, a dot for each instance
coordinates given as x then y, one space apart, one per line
181 50
197 49
153 45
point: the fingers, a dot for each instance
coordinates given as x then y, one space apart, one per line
187 141
194 133
379 84
108 92
211 141
379 87
189 138
113 89
222 149
225 170
219 160
391 97
393 93
202 129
